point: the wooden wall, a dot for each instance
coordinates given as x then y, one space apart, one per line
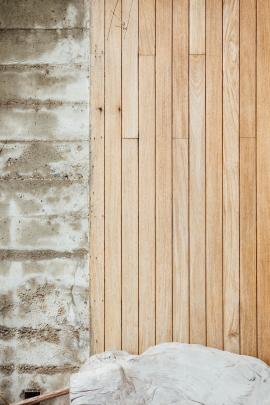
180 189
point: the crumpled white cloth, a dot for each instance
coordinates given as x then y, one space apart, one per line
172 373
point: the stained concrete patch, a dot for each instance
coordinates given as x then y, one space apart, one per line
44 14
6 303
43 46
43 160
67 83
44 122
45 330
30 286
33 197
46 232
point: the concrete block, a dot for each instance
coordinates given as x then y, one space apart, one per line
44 232
44 14
44 160
44 46
60 84
39 197
45 122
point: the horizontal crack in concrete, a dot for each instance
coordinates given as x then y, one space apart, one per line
48 370
8 369
37 104
44 334
42 254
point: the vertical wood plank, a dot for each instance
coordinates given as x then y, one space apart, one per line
197 27
214 173
231 174
180 68
247 68
248 283
197 198
130 245
97 180
147 202
180 242
163 171
130 69
248 276
263 176
147 31
113 175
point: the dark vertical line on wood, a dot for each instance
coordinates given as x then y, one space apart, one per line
172 160
104 164
121 220
222 171
155 172
256 173
138 173
189 168
205 179
239 176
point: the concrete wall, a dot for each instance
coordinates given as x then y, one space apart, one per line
44 158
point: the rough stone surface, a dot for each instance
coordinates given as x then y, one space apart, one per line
44 175
172 373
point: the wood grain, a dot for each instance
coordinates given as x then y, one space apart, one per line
197 198
247 68
263 176
248 274
163 171
130 68
180 68
214 173
147 204
197 27
180 242
97 182
130 327
113 175
231 174
147 31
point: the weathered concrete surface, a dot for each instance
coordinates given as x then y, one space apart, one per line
172 373
44 46
44 14
44 83
43 121
44 160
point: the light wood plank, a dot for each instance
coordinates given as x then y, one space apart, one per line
130 327
130 68
147 202
214 173
97 180
231 174
180 68
163 172
197 27
113 175
197 198
180 242
263 178
147 31
247 68
248 274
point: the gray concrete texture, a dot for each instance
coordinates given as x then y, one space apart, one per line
44 176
